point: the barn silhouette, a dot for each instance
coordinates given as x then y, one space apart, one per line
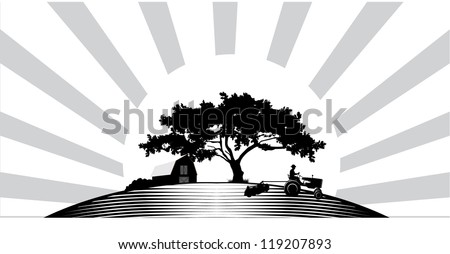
178 171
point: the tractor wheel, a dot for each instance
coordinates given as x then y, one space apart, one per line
318 193
292 188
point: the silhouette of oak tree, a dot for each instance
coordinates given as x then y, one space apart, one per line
231 130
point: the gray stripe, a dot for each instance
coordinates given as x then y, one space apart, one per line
288 28
421 67
26 65
427 187
424 133
225 18
17 130
78 18
369 21
160 23
24 187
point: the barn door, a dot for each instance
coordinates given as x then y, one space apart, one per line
184 177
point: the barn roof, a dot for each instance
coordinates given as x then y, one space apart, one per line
164 169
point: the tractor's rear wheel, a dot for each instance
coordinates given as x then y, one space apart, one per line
292 188
318 193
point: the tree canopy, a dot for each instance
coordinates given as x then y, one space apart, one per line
232 129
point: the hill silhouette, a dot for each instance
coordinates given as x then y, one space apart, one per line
213 200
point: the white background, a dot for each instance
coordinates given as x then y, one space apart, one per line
371 236
414 26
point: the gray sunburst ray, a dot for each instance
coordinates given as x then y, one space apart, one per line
81 22
366 25
30 188
25 133
290 23
159 21
26 65
425 64
419 188
225 18
424 133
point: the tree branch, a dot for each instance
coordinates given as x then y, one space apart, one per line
267 139
247 151
230 152
270 148
223 156
213 147
221 147
264 135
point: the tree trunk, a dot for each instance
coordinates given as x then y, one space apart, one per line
237 172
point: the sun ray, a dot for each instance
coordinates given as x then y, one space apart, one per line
366 25
290 23
159 21
424 133
225 18
81 22
30 188
420 188
22 132
429 61
26 65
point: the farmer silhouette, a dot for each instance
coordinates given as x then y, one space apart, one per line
292 174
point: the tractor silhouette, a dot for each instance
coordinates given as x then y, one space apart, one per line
293 186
